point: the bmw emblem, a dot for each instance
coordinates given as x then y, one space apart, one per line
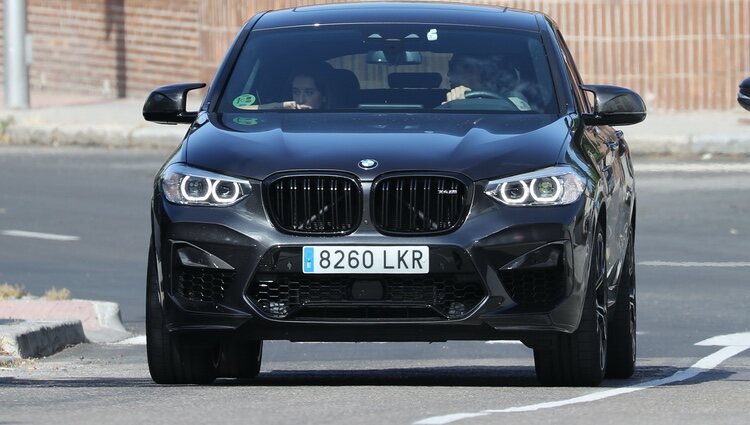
368 164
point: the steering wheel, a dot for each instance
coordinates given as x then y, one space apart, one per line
481 94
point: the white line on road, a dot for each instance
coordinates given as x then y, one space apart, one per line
338 342
732 345
712 167
36 235
136 340
141 339
695 263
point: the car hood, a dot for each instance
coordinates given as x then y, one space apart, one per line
479 146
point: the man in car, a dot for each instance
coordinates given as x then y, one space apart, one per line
492 74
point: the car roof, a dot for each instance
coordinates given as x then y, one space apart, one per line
431 13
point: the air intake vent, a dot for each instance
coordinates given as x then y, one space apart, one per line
200 284
315 204
538 288
419 204
335 297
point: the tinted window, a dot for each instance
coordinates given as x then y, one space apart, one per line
391 67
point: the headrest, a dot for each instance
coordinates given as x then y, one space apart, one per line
415 80
345 78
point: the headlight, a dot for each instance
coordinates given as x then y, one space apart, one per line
190 186
550 186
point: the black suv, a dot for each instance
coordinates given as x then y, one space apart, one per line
395 172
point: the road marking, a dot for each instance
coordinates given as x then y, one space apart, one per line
695 264
136 340
36 235
693 168
339 342
438 420
732 344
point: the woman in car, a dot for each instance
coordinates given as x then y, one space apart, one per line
309 90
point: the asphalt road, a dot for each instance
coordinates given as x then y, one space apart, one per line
692 254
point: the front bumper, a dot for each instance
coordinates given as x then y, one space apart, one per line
529 263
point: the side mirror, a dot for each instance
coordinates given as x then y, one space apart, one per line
168 104
614 106
743 96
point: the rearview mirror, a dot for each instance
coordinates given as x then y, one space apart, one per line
743 96
394 57
614 105
168 104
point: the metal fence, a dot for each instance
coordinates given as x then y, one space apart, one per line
679 54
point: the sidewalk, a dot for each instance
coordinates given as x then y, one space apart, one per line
63 120
70 120
691 133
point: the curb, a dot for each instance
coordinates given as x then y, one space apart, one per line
39 339
58 323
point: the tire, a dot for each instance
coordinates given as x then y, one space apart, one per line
580 358
240 359
622 328
172 359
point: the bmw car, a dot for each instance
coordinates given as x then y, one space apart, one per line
394 172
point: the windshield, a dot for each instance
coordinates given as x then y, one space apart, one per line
411 67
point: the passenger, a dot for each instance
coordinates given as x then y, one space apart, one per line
309 90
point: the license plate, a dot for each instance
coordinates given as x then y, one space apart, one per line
366 259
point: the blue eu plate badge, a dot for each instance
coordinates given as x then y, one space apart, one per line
308 259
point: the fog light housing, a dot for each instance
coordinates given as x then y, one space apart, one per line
456 309
550 255
192 256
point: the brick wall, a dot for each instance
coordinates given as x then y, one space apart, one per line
679 54
112 48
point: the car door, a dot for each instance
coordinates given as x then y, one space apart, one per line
607 151
612 148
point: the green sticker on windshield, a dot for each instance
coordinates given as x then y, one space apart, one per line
244 101
245 121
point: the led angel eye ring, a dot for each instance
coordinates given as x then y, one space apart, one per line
552 198
225 200
520 200
187 197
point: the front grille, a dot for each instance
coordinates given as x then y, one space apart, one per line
315 204
418 204
539 288
202 284
304 296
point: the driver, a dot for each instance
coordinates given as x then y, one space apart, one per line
470 73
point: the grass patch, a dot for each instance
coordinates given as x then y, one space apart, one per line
55 294
5 122
11 292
